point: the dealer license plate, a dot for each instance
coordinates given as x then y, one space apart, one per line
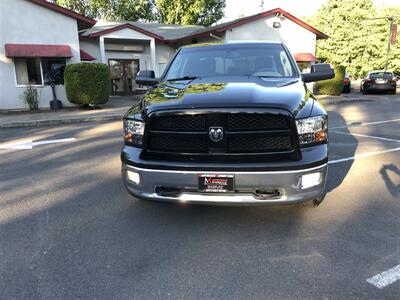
380 81
216 183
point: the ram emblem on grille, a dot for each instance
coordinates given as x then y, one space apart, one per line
216 134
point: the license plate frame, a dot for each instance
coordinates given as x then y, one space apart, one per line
216 183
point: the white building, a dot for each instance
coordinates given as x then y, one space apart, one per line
38 38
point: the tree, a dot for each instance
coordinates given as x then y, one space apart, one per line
129 10
184 12
347 44
382 31
126 10
194 12
356 40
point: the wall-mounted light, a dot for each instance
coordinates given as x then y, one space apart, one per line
276 25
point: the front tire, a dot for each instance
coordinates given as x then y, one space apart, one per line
315 202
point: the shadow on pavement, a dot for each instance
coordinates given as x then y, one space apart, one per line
393 188
341 146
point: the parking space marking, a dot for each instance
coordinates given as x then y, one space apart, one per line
366 124
29 144
367 136
53 141
385 278
363 155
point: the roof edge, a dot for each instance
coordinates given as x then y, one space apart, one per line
248 19
319 34
124 26
213 29
86 56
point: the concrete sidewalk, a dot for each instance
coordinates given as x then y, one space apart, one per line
356 96
343 98
113 110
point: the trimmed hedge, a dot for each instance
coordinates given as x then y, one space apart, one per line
87 83
332 86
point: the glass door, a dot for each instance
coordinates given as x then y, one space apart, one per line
123 75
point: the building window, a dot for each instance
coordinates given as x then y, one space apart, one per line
53 70
36 71
28 71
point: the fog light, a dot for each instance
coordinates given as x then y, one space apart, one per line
133 177
310 180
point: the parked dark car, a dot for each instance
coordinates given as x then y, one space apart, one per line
346 84
228 124
378 81
397 78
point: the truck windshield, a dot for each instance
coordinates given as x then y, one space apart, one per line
262 60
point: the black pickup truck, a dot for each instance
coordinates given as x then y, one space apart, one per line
228 124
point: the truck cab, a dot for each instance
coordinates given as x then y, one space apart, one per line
229 124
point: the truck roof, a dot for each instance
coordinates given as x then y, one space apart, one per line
244 42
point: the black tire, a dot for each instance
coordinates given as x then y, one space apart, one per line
365 92
316 202
311 204
393 92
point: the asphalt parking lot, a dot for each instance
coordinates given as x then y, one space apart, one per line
68 228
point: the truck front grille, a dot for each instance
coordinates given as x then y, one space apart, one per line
187 134
183 123
251 122
178 144
259 144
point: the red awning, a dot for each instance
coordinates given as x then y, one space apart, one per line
31 50
304 57
86 56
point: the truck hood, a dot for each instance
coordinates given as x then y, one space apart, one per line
287 93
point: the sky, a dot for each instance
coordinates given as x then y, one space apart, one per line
299 8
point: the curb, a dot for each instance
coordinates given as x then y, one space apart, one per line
341 101
62 121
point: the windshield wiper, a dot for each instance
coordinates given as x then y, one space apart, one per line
184 78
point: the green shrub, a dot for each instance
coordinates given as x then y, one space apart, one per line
87 83
332 86
30 97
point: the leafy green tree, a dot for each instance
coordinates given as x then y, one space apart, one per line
184 12
382 32
348 43
194 12
135 10
127 10
357 40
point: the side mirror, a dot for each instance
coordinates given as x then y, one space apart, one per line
146 77
319 72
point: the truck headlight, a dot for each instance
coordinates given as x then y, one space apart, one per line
133 132
312 130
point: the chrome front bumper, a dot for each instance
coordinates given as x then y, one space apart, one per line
146 183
